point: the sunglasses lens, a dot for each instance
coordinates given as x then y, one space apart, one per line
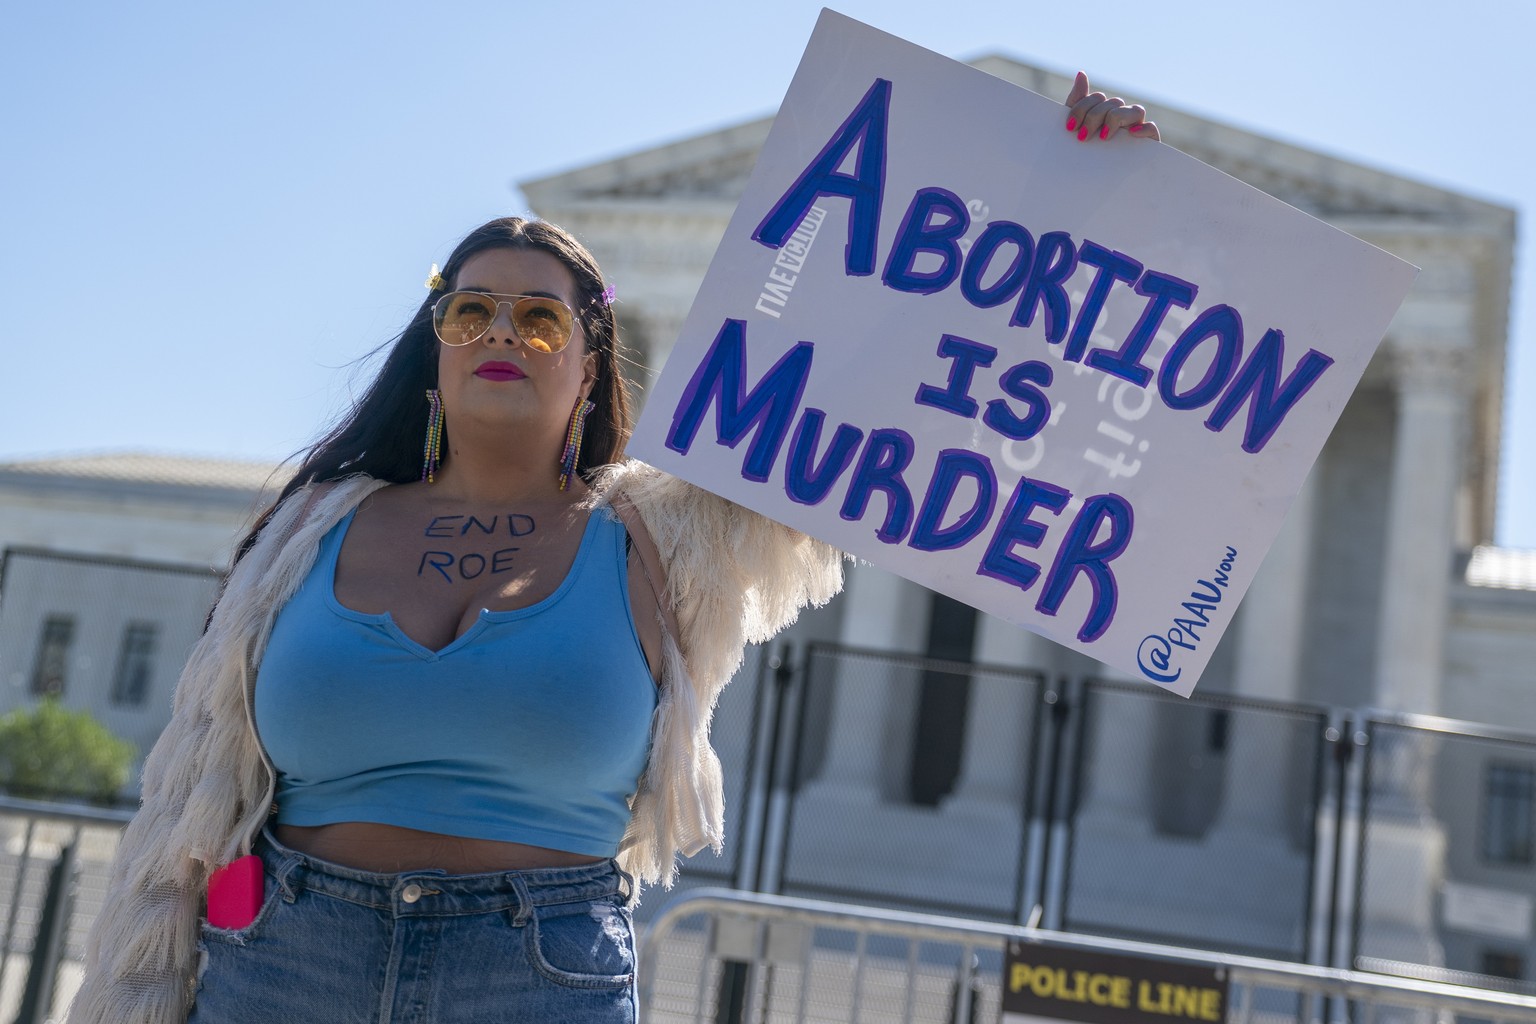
543 324
462 317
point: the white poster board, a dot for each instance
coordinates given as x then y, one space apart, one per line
1075 385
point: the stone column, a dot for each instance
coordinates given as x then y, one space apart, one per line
658 326
1426 473
881 612
1410 641
997 733
1273 615
1118 797
1271 623
841 815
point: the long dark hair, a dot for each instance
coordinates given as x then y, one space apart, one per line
382 436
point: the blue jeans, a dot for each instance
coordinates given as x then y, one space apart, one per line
335 945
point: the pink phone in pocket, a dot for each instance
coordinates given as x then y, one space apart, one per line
235 893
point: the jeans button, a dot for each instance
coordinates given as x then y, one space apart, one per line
411 893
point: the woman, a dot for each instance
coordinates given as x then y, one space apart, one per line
455 696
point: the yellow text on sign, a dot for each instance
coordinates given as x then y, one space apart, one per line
1191 1002
1093 987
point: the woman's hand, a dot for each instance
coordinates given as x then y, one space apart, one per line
1095 115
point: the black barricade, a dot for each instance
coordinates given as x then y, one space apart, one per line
1447 856
930 811
1194 822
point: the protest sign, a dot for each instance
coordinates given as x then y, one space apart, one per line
1075 385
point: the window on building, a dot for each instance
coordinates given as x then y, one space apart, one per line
135 663
1509 824
1499 964
1216 730
938 739
52 663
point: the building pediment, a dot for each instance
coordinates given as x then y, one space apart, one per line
712 166
122 475
656 216
715 166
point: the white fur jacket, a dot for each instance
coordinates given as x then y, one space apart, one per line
732 578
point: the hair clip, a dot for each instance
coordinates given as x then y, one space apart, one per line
435 279
608 295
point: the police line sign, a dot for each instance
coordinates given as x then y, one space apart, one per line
1045 984
1075 385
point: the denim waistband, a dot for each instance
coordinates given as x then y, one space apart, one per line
433 892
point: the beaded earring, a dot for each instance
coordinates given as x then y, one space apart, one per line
573 439
432 450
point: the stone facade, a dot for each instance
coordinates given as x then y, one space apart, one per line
110 566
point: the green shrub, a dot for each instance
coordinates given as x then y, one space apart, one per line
49 752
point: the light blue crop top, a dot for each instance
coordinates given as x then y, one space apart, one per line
532 727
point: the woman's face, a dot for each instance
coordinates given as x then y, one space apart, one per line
499 380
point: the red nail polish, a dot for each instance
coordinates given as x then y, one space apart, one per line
1081 135
1104 132
1137 127
1071 123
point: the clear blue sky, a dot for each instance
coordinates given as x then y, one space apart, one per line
209 212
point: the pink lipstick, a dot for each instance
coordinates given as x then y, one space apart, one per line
496 370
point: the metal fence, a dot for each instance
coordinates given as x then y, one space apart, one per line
1239 826
105 637
1349 839
1193 822
904 848
1446 854
55 860
731 957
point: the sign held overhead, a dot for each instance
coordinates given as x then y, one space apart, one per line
1075 386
